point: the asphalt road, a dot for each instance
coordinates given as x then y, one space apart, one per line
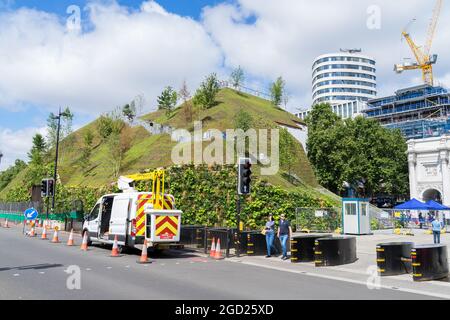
31 268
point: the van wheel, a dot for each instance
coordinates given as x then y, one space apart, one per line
89 242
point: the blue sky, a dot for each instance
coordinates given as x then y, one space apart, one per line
120 54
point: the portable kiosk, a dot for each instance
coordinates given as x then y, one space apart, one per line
355 216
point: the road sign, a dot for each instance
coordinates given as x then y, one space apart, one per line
31 214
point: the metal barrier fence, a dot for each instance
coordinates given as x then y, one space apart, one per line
199 238
317 219
413 219
14 212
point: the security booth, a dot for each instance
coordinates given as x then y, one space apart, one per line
355 216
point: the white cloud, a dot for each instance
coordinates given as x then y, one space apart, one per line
126 53
284 37
15 144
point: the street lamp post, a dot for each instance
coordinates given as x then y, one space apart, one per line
55 173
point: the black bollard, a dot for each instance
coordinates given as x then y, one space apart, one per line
302 247
429 262
335 251
394 258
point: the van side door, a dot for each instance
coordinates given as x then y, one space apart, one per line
119 218
93 221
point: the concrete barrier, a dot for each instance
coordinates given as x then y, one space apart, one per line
302 247
394 258
429 262
335 251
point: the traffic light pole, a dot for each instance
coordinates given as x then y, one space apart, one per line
238 221
56 160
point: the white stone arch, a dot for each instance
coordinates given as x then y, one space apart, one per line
432 194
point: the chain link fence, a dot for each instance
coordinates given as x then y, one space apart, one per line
317 219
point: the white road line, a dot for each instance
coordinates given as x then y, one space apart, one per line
88 269
16 275
108 267
419 292
42 272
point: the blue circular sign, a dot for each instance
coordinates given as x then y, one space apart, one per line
31 214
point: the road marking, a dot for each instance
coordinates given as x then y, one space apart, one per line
177 263
108 267
413 291
16 274
88 269
42 272
127 266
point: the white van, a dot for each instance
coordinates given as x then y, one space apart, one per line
131 217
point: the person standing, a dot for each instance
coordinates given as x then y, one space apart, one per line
284 233
270 234
420 220
436 228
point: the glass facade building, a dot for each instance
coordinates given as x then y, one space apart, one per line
343 77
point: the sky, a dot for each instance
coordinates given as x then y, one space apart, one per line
117 50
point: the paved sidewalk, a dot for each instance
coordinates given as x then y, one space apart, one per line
362 271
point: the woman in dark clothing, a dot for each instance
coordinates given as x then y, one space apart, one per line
270 234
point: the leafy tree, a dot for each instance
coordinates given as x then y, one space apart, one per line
167 100
52 127
243 120
277 91
38 165
356 150
205 96
237 77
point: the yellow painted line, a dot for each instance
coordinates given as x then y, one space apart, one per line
318 261
293 250
380 250
381 260
418 275
318 252
416 264
250 252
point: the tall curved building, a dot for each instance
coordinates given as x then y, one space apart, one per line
343 77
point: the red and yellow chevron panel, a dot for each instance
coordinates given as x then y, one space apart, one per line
143 199
166 226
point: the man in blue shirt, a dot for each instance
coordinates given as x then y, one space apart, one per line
436 228
284 232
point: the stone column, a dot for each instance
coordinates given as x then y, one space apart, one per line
444 159
412 174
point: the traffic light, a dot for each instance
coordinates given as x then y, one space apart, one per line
44 188
47 188
51 188
244 176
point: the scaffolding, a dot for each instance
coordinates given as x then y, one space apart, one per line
419 112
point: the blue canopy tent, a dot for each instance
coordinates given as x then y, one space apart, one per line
437 206
413 204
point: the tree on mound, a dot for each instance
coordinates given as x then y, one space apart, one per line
205 96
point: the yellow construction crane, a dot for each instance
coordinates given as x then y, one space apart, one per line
424 60
126 184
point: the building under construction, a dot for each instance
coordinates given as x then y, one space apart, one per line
419 112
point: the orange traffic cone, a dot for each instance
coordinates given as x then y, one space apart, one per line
70 242
32 232
115 248
44 233
84 244
144 257
55 237
6 224
213 249
218 254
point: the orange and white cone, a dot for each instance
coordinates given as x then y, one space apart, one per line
212 252
115 248
218 254
32 232
84 243
6 224
144 254
70 242
44 233
55 237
